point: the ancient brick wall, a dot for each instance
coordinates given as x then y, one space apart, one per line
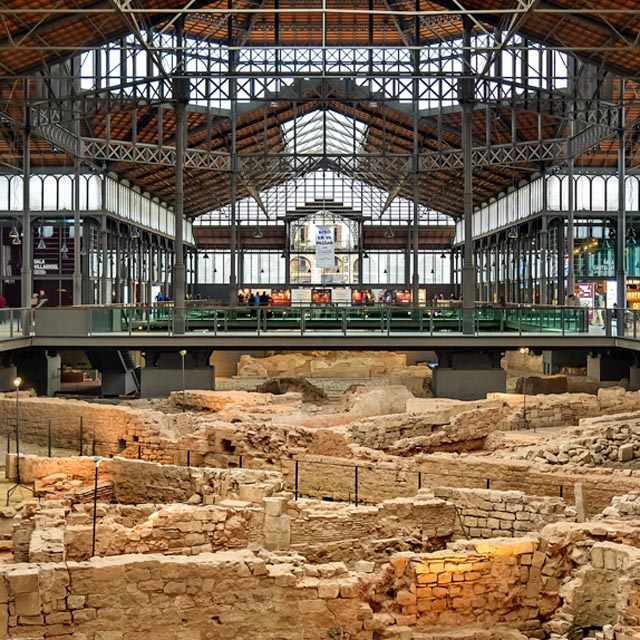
471 582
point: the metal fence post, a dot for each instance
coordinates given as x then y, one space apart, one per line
49 439
188 457
297 479
355 479
419 480
240 461
81 436
9 442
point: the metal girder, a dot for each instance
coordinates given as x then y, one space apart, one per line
508 154
604 125
47 124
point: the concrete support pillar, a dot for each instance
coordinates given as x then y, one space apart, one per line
609 366
167 371
468 376
39 369
554 361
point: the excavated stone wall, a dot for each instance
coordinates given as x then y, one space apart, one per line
177 529
589 580
220 596
137 482
472 582
488 514
341 532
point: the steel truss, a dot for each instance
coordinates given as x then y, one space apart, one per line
114 105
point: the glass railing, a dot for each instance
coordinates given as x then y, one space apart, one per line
15 323
217 320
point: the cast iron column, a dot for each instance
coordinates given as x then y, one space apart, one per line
26 274
181 97
621 235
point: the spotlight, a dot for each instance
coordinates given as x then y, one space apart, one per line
388 232
257 233
135 234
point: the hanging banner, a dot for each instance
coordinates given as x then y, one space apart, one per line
325 247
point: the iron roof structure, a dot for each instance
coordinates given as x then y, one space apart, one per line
276 89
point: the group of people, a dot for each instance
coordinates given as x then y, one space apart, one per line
254 299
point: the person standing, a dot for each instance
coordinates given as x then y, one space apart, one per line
598 304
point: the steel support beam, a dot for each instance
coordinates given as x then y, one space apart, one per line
621 234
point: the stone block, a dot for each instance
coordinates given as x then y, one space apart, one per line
328 590
625 452
597 557
365 566
24 580
27 604
4 621
275 506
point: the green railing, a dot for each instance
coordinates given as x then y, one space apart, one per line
301 320
334 319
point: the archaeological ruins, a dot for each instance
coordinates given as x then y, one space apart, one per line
341 501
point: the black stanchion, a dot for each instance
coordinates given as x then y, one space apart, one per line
49 439
17 382
81 437
97 461
355 478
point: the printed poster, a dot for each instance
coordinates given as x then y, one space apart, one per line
325 247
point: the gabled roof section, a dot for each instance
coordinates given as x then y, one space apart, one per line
324 132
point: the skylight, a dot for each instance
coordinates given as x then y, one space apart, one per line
324 132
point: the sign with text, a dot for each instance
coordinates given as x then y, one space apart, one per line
325 247
42 267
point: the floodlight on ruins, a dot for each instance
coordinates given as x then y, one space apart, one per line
183 353
97 460
16 383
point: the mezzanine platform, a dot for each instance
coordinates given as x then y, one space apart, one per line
469 364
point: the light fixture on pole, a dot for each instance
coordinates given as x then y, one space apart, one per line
183 353
135 233
16 383
388 232
257 232
97 460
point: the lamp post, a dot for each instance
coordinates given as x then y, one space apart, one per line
16 383
524 351
183 353
97 460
